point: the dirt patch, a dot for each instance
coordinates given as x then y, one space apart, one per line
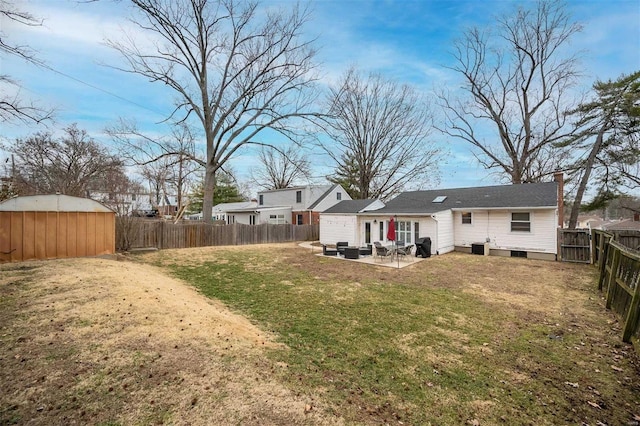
93 341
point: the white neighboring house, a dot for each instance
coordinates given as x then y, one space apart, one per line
300 205
141 203
123 203
508 220
225 211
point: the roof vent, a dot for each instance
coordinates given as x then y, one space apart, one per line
439 199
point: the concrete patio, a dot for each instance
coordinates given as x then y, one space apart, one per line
403 262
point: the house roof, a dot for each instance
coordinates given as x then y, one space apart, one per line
223 207
267 191
259 209
528 195
623 225
350 206
322 197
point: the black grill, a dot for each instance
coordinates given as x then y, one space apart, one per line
423 247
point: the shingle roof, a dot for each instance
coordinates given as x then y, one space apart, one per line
503 196
350 206
624 225
322 197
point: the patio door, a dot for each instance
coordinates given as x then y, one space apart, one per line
367 232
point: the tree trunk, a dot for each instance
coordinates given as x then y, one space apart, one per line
575 208
209 189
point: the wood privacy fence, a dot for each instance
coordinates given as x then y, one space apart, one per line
620 280
167 235
574 245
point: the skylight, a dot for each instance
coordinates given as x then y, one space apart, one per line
439 199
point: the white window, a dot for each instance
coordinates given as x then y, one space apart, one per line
466 218
252 219
261 198
521 222
298 196
403 232
338 195
276 219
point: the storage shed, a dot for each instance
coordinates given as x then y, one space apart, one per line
54 226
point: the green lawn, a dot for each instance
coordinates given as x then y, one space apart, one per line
457 339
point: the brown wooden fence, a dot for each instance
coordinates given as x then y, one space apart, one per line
620 280
167 235
574 245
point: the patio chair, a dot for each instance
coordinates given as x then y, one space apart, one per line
340 246
366 251
405 251
328 252
383 252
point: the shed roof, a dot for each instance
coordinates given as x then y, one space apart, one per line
527 195
52 203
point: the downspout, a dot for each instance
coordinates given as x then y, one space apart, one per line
433 216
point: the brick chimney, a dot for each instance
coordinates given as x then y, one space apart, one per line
559 177
636 217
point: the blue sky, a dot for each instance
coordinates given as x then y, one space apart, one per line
408 41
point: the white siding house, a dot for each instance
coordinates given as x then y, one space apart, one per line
342 223
507 220
305 202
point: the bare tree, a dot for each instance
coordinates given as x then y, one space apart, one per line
12 107
168 163
280 168
237 70
518 81
72 164
378 131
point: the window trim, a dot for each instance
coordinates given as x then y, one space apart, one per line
298 197
465 215
521 224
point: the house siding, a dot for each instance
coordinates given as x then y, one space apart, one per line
265 214
495 225
331 199
334 228
445 232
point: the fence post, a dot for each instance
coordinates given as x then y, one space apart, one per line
632 316
613 274
603 258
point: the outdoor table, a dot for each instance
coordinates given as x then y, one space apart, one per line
352 252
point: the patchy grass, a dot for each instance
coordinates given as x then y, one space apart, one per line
458 339
91 341
455 339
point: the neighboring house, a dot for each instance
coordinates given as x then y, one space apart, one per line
510 220
299 205
225 211
588 221
123 203
623 225
136 202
